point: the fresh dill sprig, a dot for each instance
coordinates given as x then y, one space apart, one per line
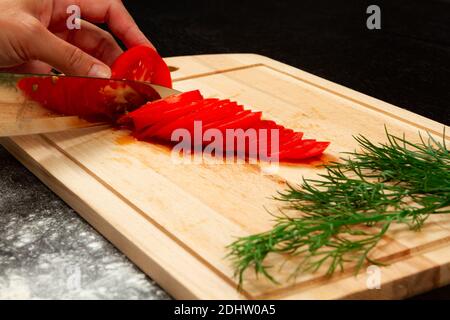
346 212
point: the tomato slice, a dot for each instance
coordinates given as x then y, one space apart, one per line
150 131
152 112
304 149
181 111
315 151
165 132
159 114
158 120
291 140
243 120
222 112
178 115
236 114
142 63
90 98
268 124
171 102
233 111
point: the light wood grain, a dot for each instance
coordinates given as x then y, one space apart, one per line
174 220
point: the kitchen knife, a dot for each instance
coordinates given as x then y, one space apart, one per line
21 116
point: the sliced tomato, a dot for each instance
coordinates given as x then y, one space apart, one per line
159 119
177 115
91 98
243 121
152 112
300 152
142 63
290 140
165 132
150 131
159 113
221 113
171 102
233 116
216 112
232 113
181 111
315 151
268 124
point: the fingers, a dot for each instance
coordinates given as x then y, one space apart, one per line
93 40
66 57
111 12
36 67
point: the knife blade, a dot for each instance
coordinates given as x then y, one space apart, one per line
19 115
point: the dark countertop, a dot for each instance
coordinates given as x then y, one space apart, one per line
48 251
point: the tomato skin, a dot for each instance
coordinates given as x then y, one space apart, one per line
243 121
291 140
169 102
315 151
306 149
177 119
186 122
90 98
142 63
158 120
151 112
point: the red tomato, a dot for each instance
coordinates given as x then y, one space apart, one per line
152 112
160 118
91 98
224 111
181 111
316 150
291 140
230 113
268 124
305 149
185 122
243 121
142 63
170 102
176 116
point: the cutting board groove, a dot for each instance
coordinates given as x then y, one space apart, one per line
174 220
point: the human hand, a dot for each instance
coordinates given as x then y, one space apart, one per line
34 36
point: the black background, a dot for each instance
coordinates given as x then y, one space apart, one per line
406 63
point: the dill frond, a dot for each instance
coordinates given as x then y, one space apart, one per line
382 184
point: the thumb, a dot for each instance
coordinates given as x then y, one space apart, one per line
68 58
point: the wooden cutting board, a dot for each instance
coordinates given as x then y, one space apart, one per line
174 220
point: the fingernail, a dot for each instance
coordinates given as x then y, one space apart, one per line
99 71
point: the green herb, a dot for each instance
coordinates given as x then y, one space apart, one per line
346 212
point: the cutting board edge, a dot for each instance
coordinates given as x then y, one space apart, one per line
181 287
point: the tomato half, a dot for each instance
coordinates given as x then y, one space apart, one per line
142 63
90 98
